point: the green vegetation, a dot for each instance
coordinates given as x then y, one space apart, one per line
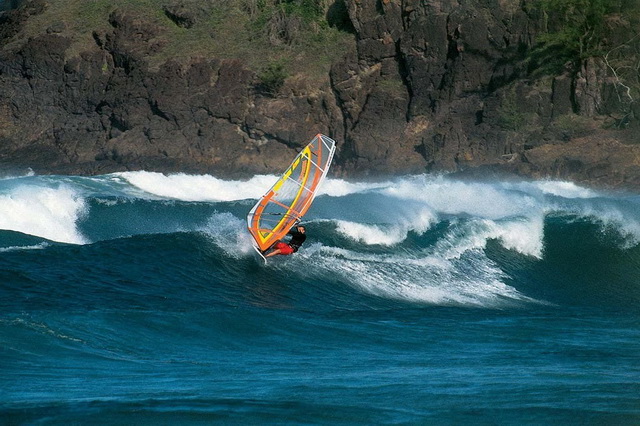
572 125
292 33
509 115
575 30
578 29
272 77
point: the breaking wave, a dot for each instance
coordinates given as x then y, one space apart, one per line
417 239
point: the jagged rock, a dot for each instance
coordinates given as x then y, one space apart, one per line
429 86
582 160
12 21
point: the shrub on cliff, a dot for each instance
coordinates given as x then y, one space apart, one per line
577 29
286 22
510 116
272 78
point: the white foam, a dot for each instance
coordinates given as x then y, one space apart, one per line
341 187
371 234
185 187
27 173
18 248
524 235
611 218
515 217
387 234
50 213
230 234
455 198
564 189
472 281
516 209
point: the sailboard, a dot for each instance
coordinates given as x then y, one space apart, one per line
287 201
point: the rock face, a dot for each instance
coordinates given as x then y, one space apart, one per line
429 86
467 99
105 110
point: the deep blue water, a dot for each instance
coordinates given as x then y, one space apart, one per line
135 299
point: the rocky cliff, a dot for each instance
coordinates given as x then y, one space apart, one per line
426 86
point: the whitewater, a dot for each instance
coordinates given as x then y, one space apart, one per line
136 297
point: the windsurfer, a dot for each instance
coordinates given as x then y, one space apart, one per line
298 236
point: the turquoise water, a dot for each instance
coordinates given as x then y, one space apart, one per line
135 298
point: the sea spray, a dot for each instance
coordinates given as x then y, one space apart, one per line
470 280
394 231
50 213
229 233
198 188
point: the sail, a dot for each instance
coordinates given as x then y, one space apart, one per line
290 197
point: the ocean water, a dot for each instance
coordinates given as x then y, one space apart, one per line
135 298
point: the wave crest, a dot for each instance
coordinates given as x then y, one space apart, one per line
51 213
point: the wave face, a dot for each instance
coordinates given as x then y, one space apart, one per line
137 297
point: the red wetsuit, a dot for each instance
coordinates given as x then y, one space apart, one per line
297 238
284 248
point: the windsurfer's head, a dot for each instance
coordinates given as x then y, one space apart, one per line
302 229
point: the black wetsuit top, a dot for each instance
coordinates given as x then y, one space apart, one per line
297 238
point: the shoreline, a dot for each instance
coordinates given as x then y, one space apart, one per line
480 175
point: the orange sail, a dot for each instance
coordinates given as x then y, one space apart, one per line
290 197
